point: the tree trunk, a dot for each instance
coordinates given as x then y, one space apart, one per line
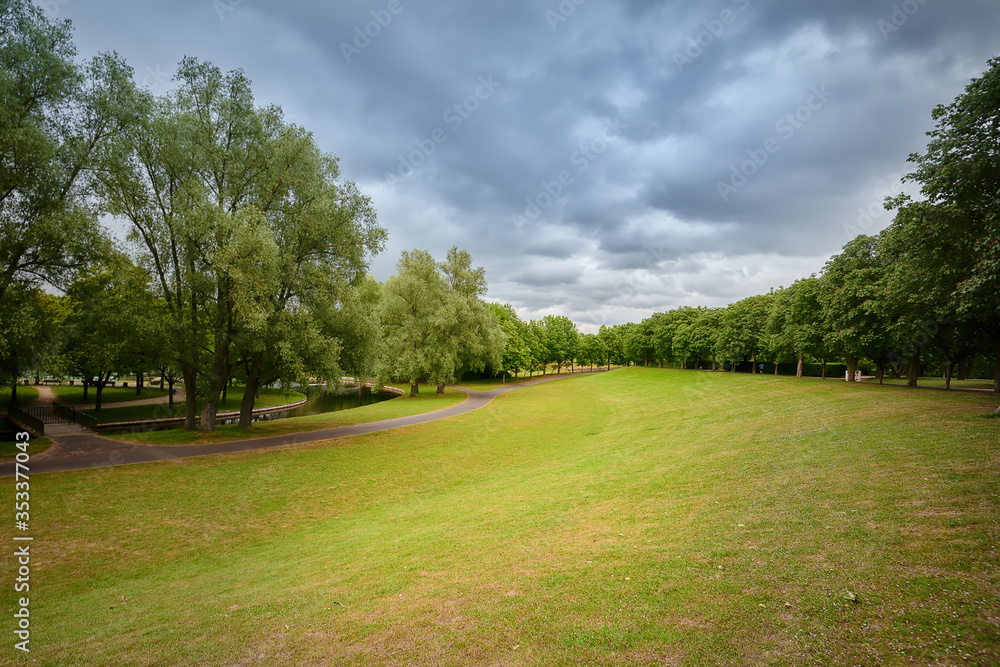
86 388
879 371
170 394
246 405
713 363
824 369
208 412
852 367
413 388
13 391
138 384
440 389
914 369
99 386
798 369
659 362
161 379
190 401
947 374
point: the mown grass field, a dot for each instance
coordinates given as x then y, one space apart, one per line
25 394
487 384
72 394
640 517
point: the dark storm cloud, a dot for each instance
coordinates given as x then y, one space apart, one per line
488 126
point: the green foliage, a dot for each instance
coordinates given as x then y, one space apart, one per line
108 321
795 323
743 326
561 340
435 323
517 355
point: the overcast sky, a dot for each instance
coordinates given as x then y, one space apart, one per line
601 160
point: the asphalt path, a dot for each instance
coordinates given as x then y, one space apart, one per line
75 448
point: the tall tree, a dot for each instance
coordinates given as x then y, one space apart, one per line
516 351
55 120
435 322
562 340
795 324
960 172
110 306
851 288
742 329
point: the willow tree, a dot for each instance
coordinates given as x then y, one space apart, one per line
435 323
56 118
324 231
241 219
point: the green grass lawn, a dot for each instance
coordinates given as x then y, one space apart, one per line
425 401
36 446
234 397
640 517
939 382
73 394
25 394
488 384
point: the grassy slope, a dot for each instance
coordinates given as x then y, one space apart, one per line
637 517
234 397
495 383
73 394
425 401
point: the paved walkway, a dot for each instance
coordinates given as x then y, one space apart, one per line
46 397
76 448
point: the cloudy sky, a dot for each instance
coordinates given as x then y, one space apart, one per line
602 160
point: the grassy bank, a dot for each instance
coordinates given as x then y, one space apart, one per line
425 401
73 394
629 518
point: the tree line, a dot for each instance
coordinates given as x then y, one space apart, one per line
922 296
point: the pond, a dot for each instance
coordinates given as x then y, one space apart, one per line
319 402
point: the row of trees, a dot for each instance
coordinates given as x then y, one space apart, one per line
924 293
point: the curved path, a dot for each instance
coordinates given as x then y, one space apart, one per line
78 449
